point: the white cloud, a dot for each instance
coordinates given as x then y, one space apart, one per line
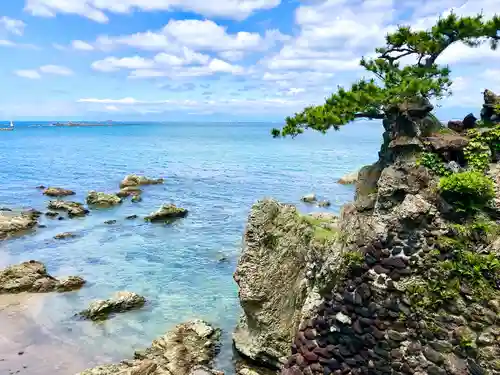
6 43
56 70
96 9
111 64
111 108
30 74
81 45
12 26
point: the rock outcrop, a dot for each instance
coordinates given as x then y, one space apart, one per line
12 223
309 198
128 191
491 112
58 192
188 349
32 277
283 251
65 236
120 302
349 178
167 212
74 209
100 199
135 180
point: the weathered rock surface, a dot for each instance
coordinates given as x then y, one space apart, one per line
58 192
309 198
128 191
100 199
188 349
135 180
349 179
119 303
167 212
12 223
32 277
74 209
282 252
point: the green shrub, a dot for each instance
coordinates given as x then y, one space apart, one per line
434 163
467 191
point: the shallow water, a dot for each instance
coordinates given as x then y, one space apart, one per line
215 170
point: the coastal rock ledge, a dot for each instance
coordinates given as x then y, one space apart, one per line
120 302
32 276
282 252
187 349
12 223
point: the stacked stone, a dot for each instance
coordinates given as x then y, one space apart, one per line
366 326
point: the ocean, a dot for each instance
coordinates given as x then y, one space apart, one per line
215 170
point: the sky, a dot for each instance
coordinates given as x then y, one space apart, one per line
201 60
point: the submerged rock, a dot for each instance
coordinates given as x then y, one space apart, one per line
179 352
167 212
32 277
309 198
136 180
128 191
41 187
58 192
5 209
51 214
120 302
12 223
324 203
95 198
110 222
131 217
64 236
136 198
74 209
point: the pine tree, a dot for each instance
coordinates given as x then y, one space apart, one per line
395 83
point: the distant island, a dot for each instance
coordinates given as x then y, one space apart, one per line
70 123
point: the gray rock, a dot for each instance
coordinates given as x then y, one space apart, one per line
120 302
32 277
64 236
128 191
136 180
58 192
13 223
74 209
433 355
309 198
188 349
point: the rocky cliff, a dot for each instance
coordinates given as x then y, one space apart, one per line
408 281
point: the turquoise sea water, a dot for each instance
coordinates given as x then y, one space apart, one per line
215 170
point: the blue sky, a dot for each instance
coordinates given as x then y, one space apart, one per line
209 59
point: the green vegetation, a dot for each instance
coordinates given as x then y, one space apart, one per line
394 84
353 259
322 228
434 163
467 191
481 145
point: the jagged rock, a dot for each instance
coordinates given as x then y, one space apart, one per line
367 180
58 192
179 352
447 143
309 198
120 302
456 125
324 203
413 207
272 278
488 113
167 212
32 277
469 121
135 180
95 198
64 236
128 191
74 209
349 179
12 223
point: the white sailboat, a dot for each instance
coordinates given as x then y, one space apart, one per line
11 127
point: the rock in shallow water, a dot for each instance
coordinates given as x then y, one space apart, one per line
74 209
14 222
102 199
135 180
58 192
128 191
32 277
309 198
167 212
64 236
120 302
179 352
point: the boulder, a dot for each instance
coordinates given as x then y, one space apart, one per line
12 223
135 180
349 178
32 277
52 214
447 142
128 191
58 192
64 236
131 217
120 302
167 212
325 203
282 251
456 125
74 209
179 352
110 222
95 198
309 198
489 113
469 121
